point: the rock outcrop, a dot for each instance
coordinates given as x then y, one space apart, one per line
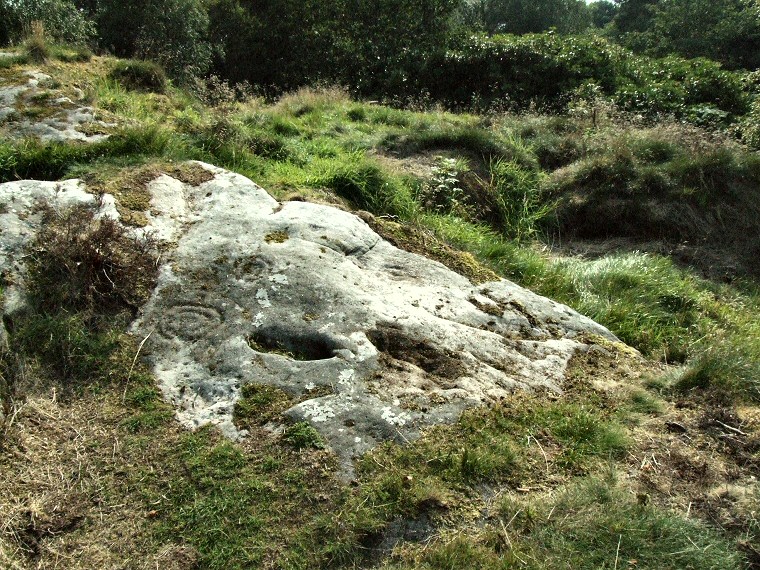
375 343
31 106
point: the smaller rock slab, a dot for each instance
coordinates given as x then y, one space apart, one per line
62 123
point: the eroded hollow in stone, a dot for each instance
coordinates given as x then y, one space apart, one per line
294 344
398 344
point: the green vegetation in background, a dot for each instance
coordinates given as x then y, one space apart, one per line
61 20
521 167
727 31
516 70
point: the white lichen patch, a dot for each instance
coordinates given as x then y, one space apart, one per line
393 418
262 298
317 411
279 278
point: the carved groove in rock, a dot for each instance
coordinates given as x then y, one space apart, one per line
189 322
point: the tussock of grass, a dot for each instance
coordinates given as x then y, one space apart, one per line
36 45
140 75
365 185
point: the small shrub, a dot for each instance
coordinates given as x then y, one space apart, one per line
9 376
83 273
216 92
81 263
443 193
302 436
140 75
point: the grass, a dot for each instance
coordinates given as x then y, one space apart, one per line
592 524
536 481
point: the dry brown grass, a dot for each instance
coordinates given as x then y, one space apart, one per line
306 99
63 499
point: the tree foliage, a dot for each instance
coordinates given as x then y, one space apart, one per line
62 20
727 31
525 16
286 43
172 32
602 12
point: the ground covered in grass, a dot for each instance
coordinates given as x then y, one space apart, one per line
649 229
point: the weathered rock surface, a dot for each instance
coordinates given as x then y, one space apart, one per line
375 342
62 119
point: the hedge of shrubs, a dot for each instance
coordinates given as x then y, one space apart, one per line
552 70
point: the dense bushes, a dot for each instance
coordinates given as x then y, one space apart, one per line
172 32
525 16
283 44
538 67
62 20
403 50
551 70
728 31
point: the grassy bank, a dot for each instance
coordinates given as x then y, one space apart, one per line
648 464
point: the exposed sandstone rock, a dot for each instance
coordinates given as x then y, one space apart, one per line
374 342
63 119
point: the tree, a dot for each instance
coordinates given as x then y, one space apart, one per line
275 44
634 15
602 12
727 31
62 20
172 32
525 16
371 45
385 43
